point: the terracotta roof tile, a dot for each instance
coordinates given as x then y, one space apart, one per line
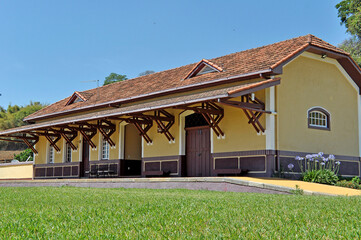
249 61
149 106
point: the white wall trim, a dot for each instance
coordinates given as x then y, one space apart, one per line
182 132
121 140
324 109
142 147
47 152
64 150
100 146
34 155
80 148
270 118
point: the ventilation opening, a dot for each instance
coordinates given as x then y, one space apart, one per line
206 69
195 120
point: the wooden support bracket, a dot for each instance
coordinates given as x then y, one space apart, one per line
106 130
88 134
69 137
53 140
143 129
88 131
253 108
27 142
211 112
164 123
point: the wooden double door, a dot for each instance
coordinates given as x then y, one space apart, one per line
84 165
198 152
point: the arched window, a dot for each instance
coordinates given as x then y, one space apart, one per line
318 118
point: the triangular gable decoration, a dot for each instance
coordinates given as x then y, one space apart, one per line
203 67
76 97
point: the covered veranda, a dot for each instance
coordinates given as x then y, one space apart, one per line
143 116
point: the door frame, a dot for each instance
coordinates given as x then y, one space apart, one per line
82 164
210 148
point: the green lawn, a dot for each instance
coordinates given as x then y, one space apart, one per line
92 213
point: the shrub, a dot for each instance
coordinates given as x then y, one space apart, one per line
353 183
356 180
324 176
348 184
317 168
27 154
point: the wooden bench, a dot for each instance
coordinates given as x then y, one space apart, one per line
102 170
227 171
153 173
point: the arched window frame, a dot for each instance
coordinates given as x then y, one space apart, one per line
322 111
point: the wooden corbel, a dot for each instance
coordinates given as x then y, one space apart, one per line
252 107
69 136
211 112
165 121
106 130
52 140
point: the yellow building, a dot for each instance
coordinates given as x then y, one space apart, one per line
247 113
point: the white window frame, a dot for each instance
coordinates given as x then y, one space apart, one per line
318 118
68 153
206 69
105 150
51 154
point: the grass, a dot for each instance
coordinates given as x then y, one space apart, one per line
93 213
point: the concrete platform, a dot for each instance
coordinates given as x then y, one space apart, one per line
231 184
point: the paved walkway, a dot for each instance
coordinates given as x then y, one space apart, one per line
233 184
309 188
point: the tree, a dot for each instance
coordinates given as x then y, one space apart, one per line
352 46
146 73
13 117
114 77
349 12
27 154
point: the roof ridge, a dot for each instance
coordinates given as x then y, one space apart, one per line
253 60
194 63
328 46
267 45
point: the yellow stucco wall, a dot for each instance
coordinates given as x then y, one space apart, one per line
132 143
114 151
239 135
59 155
161 146
307 83
75 154
41 146
94 152
16 171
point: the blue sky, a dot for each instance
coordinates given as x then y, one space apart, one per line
49 48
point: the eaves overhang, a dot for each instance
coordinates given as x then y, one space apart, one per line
212 95
116 103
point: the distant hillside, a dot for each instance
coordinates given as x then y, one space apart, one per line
13 117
